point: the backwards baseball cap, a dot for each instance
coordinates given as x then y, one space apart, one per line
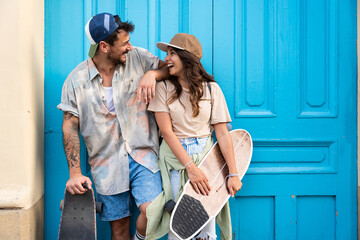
183 41
100 27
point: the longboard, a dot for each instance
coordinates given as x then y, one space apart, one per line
193 211
78 217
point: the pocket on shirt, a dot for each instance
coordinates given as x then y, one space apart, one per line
132 84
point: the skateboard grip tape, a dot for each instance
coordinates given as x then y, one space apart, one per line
189 217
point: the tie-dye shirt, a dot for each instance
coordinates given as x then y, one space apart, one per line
110 137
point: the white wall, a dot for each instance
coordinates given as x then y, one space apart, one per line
21 103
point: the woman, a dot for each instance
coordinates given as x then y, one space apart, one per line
187 107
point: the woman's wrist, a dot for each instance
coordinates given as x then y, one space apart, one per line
232 175
233 172
188 163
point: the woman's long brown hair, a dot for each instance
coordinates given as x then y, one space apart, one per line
194 76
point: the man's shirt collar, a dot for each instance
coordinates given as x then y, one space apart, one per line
93 72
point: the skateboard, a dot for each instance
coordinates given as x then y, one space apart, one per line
78 217
193 211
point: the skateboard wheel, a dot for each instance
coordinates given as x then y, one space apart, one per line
98 206
169 206
61 204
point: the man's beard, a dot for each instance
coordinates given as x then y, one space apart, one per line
116 61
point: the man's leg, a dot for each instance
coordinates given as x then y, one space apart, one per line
120 229
116 210
145 187
141 220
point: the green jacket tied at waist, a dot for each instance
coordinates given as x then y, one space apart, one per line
159 220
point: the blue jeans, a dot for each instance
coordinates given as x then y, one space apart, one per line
191 146
145 186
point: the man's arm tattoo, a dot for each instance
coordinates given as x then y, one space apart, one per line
67 116
71 142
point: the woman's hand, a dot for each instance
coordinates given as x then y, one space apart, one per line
198 179
234 185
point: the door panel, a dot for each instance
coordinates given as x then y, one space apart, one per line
288 72
282 82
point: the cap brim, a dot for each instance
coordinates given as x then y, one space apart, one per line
92 50
164 46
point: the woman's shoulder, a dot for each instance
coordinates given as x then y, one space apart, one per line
214 87
166 84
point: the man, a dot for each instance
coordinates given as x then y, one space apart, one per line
101 97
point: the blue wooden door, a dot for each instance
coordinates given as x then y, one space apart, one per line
288 71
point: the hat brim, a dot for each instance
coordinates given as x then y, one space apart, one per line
164 46
92 50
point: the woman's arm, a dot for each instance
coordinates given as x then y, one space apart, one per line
197 177
226 146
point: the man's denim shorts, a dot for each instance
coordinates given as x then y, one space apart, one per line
145 186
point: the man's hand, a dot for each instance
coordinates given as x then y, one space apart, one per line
234 185
146 90
75 184
198 179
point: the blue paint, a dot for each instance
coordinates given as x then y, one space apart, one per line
289 77
285 219
254 213
316 217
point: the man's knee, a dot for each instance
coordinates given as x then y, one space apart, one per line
143 207
120 228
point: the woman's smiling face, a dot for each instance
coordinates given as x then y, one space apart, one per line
174 63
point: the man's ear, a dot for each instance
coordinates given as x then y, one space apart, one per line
104 47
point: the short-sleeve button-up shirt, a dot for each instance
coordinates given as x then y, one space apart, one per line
110 137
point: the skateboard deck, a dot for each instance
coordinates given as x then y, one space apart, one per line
193 211
78 217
